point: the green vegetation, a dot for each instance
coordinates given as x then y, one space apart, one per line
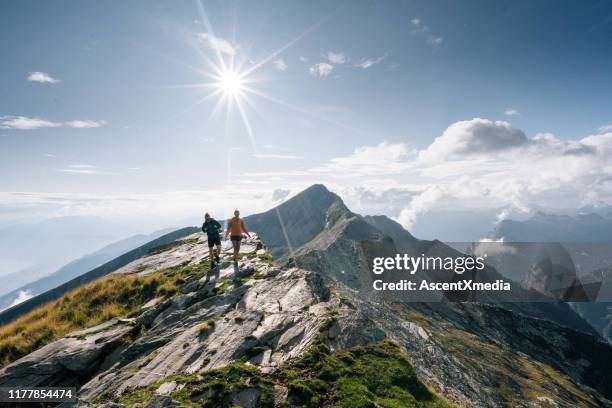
265 257
207 326
516 376
87 306
361 377
210 389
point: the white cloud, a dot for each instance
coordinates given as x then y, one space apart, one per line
21 297
280 64
511 112
168 206
43 78
431 40
422 30
275 156
26 123
85 124
321 69
87 169
384 158
472 137
217 43
418 205
336 57
605 129
368 62
303 58
473 164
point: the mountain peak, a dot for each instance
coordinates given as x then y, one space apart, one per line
298 220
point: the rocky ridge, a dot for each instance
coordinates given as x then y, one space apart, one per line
258 326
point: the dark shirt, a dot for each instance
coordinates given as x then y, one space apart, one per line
211 228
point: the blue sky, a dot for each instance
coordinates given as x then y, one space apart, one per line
96 115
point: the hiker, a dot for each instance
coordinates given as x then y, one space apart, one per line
213 229
235 229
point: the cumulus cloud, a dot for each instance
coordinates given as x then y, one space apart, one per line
477 163
33 123
368 62
321 69
43 78
280 64
418 205
476 136
217 43
605 128
337 58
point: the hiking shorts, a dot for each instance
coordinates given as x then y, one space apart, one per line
236 238
212 241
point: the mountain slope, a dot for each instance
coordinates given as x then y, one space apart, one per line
295 222
295 329
110 266
79 267
402 239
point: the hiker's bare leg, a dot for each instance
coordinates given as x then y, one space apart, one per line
236 245
211 253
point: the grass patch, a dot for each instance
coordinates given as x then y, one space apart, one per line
207 326
517 377
265 258
87 306
212 388
360 377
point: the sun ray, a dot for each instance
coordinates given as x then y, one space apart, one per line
196 103
210 31
247 124
301 110
275 54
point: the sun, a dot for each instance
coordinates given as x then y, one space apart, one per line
231 83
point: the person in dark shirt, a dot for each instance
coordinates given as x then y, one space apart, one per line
212 228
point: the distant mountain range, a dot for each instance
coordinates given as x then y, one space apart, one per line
542 227
75 268
579 245
31 251
108 267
